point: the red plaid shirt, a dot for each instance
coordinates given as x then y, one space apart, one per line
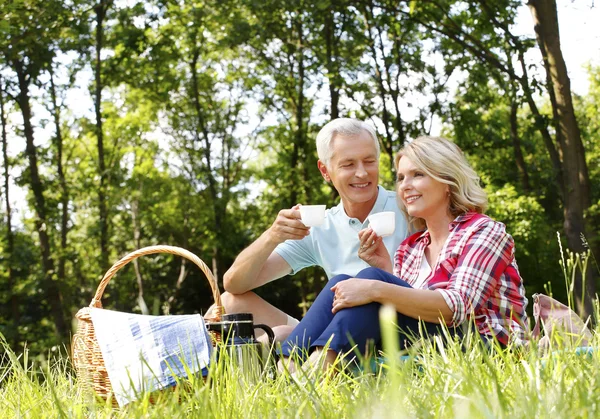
476 273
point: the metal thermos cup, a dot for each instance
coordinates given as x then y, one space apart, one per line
243 350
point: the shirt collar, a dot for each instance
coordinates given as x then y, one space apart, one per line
458 220
461 219
377 207
380 202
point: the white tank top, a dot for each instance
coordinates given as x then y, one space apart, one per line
424 274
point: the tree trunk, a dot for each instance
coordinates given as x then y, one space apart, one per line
393 87
388 140
51 285
333 73
101 9
183 272
576 178
333 70
138 245
542 127
516 142
64 198
300 145
202 133
10 240
332 62
540 40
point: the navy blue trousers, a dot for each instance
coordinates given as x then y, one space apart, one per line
350 326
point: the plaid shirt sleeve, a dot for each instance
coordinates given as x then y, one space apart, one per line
478 269
398 257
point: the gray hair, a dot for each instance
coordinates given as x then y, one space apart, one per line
348 127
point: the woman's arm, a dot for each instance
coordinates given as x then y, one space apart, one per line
470 284
478 269
427 305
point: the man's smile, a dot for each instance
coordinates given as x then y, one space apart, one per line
360 185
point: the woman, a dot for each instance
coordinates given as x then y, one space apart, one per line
461 266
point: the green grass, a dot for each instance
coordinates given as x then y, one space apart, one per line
436 383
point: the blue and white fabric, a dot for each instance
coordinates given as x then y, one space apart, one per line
148 353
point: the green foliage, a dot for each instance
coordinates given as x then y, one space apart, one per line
535 240
480 125
523 213
210 110
588 108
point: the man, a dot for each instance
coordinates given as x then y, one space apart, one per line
348 152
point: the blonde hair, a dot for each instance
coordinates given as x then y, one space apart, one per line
347 127
445 162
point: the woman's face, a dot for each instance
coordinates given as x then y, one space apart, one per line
423 196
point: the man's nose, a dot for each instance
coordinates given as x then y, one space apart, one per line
361 171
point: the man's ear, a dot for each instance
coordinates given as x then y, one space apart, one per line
324 171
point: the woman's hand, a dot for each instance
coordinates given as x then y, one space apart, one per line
373 251
351 293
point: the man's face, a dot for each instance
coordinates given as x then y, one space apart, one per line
353 168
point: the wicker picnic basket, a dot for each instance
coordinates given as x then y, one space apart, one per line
86 354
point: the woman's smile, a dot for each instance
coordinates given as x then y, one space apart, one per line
411 199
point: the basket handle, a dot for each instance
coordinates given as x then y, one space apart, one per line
150 250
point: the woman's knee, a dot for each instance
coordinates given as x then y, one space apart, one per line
381 275
372 273
336 279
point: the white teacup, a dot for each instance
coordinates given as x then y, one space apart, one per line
312 215
383 223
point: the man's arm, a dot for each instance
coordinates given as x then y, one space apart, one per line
258 264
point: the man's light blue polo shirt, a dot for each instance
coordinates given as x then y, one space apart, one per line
334 244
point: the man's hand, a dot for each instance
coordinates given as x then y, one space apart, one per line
287 226
258 263
351 293
373 251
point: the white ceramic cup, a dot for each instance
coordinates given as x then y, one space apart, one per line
383 223
312 215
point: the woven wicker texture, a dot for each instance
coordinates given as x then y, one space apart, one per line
86 354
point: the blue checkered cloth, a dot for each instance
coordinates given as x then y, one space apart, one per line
147 353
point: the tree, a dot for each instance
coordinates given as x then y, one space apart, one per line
465 34
64 190
204 110
480 123
587 108
101 9
575 172
26 49
10 240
